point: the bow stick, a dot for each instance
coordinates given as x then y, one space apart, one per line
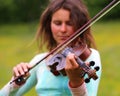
61 46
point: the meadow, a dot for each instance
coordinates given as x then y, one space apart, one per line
16 45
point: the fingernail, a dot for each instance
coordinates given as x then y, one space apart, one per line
22 73
17 75
26 70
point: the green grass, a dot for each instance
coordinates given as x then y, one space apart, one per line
15 41
15 46
107 35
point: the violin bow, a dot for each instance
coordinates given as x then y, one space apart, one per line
61 46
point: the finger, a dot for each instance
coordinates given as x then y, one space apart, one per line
25 67
21 69
68 65
87 63
29 66
71 63
15 72
72 59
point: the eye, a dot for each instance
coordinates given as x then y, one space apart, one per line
69 23
57 22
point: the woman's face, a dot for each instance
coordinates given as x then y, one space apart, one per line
61 26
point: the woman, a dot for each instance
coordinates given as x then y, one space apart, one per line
58 22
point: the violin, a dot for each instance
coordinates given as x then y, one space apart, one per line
65 50
82 52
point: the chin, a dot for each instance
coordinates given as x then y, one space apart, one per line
61 41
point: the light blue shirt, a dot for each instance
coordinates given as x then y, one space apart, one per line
48 84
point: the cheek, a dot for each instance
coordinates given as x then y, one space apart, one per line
71 30
54 30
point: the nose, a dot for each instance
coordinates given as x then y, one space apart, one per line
63 28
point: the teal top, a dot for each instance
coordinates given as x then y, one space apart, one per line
48 84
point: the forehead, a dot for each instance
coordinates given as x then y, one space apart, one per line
61 14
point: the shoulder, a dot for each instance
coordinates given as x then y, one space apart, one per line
94 56
37 58
94 53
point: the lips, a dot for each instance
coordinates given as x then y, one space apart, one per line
63 37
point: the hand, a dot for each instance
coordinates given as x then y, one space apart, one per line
21 69
73 71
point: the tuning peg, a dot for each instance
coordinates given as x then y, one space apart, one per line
96 68
87 80
92 63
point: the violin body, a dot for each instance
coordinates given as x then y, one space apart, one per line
57 62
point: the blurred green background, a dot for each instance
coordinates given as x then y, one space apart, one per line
18 24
